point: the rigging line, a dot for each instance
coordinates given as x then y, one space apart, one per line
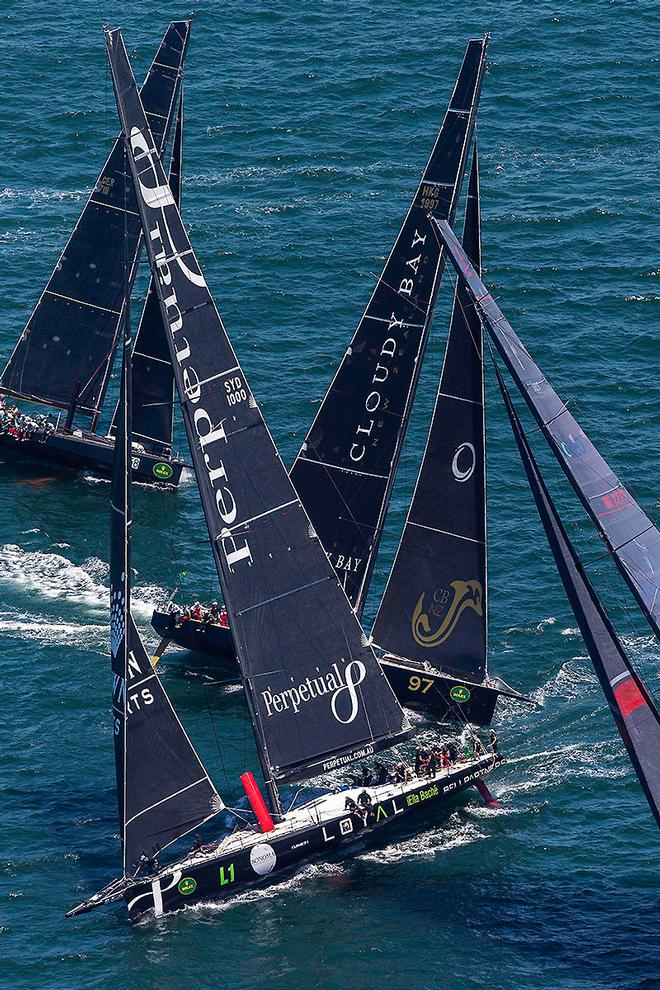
545 426
215 734
381 281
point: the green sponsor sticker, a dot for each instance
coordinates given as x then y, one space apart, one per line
460 694
188 885
163 471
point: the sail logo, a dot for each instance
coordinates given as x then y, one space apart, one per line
156 195
344 700
376 402
466 595
615 501
464 473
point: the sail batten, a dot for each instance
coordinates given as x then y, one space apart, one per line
635 714
315 692
69 342
362 420
434 608
630 536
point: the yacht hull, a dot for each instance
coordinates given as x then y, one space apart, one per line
440 695
320 830
85 451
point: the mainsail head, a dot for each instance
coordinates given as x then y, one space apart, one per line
435 604
316 693
632 707
162 787
346 468
152 374
630 536
67 348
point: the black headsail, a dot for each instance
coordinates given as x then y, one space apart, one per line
315 691
162 787
635 714
66 350
630 536
345 470
434 606
153 377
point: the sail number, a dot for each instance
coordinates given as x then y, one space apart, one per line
430 196
420 683
226 876
235 391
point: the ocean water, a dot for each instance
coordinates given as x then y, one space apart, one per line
307 126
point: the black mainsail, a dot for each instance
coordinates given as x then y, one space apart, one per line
64 356
630 536
434 606
152 374
315 691
163 789
632 707
346 467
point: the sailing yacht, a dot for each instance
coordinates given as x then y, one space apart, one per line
316 695
347 465
64 357
631 538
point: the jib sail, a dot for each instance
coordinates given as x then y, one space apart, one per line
315 691
630 536
163 789
346 467
65 352
632 707
434 606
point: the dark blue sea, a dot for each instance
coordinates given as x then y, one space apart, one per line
307 126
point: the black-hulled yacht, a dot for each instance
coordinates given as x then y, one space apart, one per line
64 357
347 465
317 697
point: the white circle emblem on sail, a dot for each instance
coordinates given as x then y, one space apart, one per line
462 474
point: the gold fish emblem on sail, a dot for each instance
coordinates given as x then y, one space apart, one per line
467 594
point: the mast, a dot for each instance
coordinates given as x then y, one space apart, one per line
153 377
632 707
629 535
163 789
72 333
316 693
434 608
345 470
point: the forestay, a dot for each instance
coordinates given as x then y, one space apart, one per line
635 714
630 536
152 374
316 694
435 604
162 787
65 352
346 467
